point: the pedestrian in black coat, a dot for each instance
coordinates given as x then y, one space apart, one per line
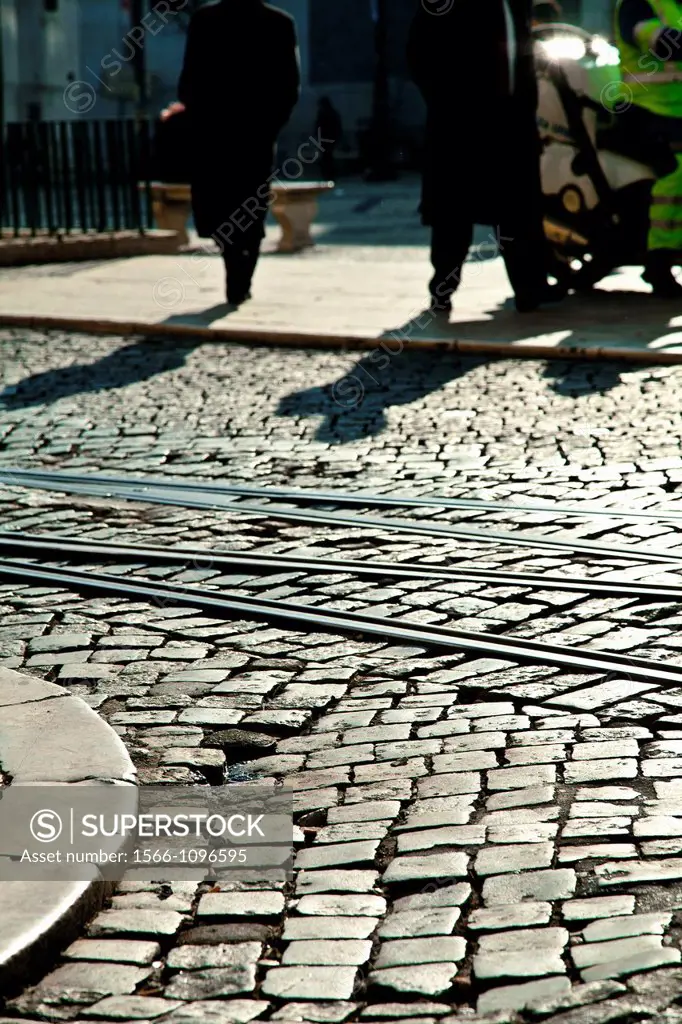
239 84
473 63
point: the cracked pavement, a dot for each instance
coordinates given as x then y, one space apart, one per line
478 838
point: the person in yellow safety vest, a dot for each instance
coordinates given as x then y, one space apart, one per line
649 39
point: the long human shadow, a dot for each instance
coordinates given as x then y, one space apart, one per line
126 365
202 317
355 406
596 323
580 378
626 318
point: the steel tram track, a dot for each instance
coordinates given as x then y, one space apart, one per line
165 496
57 546
342 497
226 604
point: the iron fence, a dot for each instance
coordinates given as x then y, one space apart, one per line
66 177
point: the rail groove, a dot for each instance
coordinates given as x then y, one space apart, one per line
342 497
165 496
57 545
226 603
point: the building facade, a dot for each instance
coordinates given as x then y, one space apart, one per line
336 46
76 58
40 56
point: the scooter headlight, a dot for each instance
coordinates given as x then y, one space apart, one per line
604 53
561 47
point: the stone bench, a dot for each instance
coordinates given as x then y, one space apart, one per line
172 208
294 207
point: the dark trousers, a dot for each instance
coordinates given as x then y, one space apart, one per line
240 255
523 248
328 163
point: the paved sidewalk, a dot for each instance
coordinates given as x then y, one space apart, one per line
365 281
48 737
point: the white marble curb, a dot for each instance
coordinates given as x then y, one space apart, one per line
49 737
544 346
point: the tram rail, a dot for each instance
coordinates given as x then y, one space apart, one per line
58 546
179 497
298 615
226 603
368 500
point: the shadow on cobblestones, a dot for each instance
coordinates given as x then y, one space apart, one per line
126 365
354 406
591 380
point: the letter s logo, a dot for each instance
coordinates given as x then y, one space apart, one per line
46 826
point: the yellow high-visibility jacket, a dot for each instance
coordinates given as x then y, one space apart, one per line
652 83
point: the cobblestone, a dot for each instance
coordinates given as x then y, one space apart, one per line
445 865
516 915
617 928
509 964
534 885
319 951
640 961
116 950
198 957
127 1008
136 922
415 980
213 983
342 906
321 928
71 981
517 997
310 982
412 923
235 904
498 860
336 880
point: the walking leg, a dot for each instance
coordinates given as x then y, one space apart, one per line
327 163
450 243
241 258
524 250
522 239
665 235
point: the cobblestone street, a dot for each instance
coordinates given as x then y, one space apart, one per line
477 838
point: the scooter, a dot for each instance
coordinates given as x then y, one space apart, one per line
596 175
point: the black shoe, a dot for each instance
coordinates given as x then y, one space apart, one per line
664 283
529 302
238 299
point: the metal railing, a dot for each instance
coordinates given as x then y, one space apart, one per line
60 178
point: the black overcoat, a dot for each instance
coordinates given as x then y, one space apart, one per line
482 147
240 82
